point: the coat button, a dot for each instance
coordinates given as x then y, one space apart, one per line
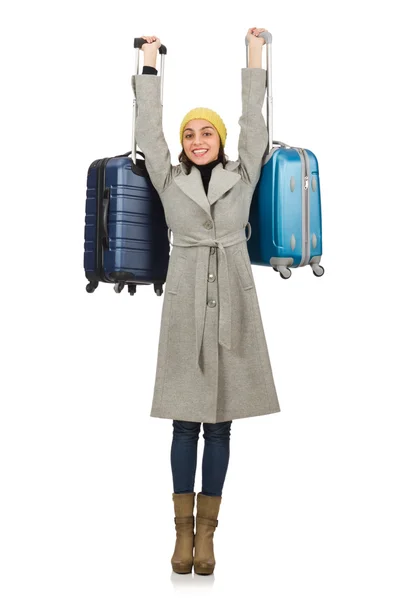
213 249
208 225
211 303
211 277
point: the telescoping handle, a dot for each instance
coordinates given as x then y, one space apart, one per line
138 43
268 39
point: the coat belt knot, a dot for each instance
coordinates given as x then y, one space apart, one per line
234 237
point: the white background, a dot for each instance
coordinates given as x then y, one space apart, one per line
309 500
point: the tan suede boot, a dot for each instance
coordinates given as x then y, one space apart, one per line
206 523
182 559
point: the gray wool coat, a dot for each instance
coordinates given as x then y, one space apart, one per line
213 363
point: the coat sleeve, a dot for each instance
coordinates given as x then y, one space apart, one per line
254 136
149 129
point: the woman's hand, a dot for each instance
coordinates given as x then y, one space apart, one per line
151 40
253 36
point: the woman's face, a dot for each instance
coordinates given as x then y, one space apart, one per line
199 134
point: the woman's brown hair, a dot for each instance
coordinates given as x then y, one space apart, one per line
183 157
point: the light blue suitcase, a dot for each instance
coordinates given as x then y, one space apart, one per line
285 213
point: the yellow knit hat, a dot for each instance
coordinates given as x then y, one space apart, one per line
208 115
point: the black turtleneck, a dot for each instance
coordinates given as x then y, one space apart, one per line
205 170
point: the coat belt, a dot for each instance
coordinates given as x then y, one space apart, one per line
200 300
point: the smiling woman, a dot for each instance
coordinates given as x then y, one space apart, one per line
212 363
191 159
201 141
202 129
208 131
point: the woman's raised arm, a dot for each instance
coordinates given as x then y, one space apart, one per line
254 136
149 126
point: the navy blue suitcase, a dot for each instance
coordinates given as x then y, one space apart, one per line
126 235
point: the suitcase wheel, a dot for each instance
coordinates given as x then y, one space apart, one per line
119 287
285 272
318 270
91 287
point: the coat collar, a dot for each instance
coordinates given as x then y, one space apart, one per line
222 180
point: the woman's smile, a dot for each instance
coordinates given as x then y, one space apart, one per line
200 152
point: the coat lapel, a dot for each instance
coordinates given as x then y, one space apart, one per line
222 180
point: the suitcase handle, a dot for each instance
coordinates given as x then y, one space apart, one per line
128 153
138 43
281 144
269 102
106 201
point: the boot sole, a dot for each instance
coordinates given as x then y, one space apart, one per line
200 570
182 570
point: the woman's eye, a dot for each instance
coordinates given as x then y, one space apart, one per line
205 133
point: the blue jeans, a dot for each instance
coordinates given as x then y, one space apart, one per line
215 456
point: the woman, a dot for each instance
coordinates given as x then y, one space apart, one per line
213 364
